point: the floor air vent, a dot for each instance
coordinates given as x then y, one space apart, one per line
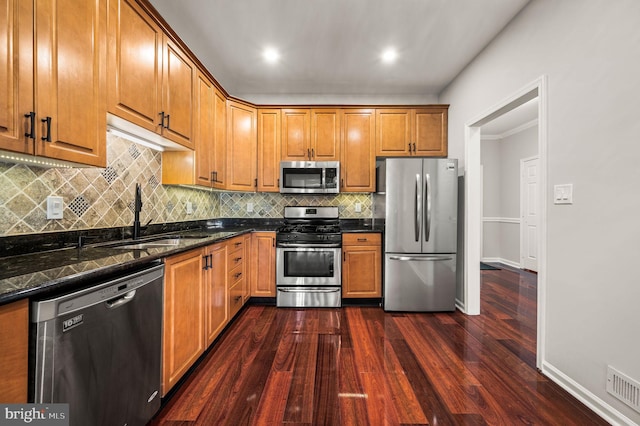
624 388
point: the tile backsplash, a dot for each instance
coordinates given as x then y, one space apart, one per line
103 197
97 197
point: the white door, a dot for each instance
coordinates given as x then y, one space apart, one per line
529 215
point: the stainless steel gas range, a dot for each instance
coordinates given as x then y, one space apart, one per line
308 258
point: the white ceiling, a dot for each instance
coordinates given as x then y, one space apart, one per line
333 47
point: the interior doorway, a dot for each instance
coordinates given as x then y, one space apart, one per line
472 200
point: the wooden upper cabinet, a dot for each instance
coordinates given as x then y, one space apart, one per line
325 134
70 80
431 130
358 151
412 132
295 135
135 65
178 93
219 162
393 132
16 75
151 80
241 147
204 130
268 150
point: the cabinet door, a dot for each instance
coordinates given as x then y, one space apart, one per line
325 134
204 130
361 271
16 75
178 76
393 132
219 165
241 147
358 150
183 327
70 81
295 135
431 129
268 150
263 264
135 65
14 335
216 308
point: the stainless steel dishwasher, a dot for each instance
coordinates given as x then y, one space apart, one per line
99 350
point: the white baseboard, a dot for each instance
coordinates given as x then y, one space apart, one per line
461 306
597 405
500 260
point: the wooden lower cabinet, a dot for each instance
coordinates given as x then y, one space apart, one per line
215 282
361 265
183 336
246 264
14 335
263 264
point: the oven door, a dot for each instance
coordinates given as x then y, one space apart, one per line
308 266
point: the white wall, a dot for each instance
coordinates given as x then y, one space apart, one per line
590 52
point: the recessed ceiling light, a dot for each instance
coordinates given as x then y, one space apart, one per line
389 56
271 55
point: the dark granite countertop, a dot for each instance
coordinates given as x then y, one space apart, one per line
64 267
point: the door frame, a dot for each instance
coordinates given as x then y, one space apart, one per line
473 214
522 210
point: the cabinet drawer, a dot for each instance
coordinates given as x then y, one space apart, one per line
361 239
235 298
235 274
235 258
236 243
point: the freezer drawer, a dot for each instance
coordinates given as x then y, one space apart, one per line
309 297
420 283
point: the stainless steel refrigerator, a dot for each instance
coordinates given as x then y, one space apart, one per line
420 234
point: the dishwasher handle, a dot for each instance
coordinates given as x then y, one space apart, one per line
119 301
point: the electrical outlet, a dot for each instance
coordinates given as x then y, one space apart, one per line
563 194
358 207
189 207
249 207
55 207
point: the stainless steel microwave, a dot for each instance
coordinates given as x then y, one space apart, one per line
309 177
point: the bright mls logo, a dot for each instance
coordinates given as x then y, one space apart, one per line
34 414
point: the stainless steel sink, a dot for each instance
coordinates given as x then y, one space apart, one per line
162 242
165 242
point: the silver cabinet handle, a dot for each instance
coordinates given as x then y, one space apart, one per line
421 258
427 207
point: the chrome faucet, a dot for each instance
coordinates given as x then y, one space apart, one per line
137 208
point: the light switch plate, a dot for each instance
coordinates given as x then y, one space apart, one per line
189 207
358 207
55 207
563 194
249 207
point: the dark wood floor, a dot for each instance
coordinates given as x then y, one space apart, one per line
359 366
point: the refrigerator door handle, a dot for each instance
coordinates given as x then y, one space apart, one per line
417 209
422 258
427 207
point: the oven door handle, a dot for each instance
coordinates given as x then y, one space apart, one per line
306 290
310 245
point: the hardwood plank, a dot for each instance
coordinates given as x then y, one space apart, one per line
362 366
